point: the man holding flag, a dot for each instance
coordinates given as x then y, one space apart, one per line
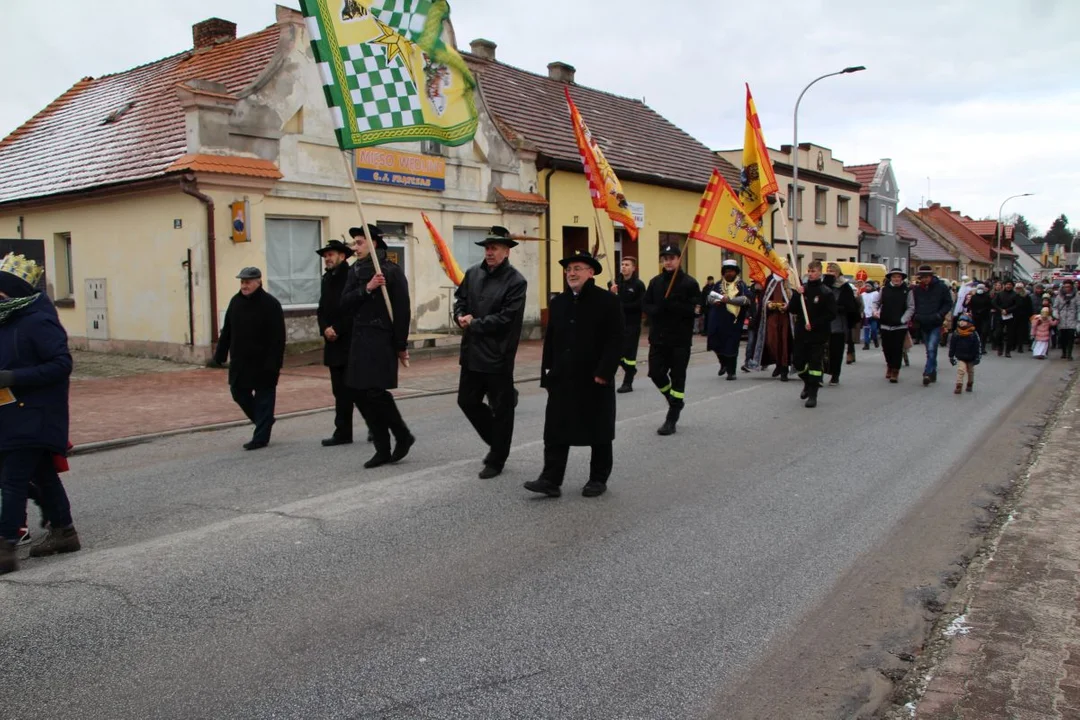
670 303
489 308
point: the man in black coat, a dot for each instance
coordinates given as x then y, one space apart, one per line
670 306
812 330
253 338
1005 305
933 302
631 292
847 312
378 343
581 355
489 307
336 329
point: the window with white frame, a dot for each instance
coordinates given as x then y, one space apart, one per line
842 211
466 251
791 209
293 270
821 196
883 219
903 264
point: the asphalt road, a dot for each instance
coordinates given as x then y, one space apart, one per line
291 583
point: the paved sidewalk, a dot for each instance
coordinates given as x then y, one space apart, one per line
168 399
1015 652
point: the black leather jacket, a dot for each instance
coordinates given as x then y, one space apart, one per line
496 300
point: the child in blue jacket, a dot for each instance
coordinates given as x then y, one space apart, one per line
965 351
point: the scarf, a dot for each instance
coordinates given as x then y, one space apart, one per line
12 305
731 289
965 332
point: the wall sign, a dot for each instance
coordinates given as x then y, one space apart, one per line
637 209
390 167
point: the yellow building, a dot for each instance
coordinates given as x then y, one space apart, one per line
663 170
130 187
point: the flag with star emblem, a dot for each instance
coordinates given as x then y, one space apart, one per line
604 186
722 221
758 180
388 72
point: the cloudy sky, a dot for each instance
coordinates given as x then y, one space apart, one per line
973 100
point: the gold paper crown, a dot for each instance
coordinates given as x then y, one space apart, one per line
21 267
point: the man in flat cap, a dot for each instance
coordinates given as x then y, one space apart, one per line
489 307
671 302
253 339
581 354
378 343
336 330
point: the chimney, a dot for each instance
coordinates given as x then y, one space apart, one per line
561 72
484 49
212 32
286 15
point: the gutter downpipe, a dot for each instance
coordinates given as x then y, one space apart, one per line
189 186
547 236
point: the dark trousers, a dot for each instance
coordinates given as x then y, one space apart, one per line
631 338
493 421
1021 333
258 405
808 359
892 346
20 468
1005 335
728 363
1066 339
555 457
982 326
382 417
837 345
344 402
667 370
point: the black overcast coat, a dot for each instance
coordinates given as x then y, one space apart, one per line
253 338
583 340
376 342
496 300
335 354
671 318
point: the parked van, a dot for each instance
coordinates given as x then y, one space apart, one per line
874 271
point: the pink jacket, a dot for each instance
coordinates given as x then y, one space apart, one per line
1040 328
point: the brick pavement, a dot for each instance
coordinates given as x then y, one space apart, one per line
1015 654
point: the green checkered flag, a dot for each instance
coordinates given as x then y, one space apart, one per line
388 74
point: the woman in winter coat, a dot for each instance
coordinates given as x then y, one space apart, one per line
980 306
1067 312
894 309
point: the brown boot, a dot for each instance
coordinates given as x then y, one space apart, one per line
62 540
959 389
970 385
8 563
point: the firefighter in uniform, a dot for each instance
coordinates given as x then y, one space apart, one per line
631 292
670 302
812 330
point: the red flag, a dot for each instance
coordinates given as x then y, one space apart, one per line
446 258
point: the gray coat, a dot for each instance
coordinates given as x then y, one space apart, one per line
1067 311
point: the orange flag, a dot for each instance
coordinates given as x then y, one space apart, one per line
604 186
722 221
758 180
446 258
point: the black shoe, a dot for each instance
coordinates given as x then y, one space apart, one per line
784 378
332 441
401 447
721 371
64 540
377 459
8 561
933 377
776 372
255 445
489 472
732 377
370 436
544 487
866 346
804 394
876 344
668 428
834 381
515 397
744 368
925 380
625 388
1008 354
594 488
811 402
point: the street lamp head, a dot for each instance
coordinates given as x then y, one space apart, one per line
853 69
1027 194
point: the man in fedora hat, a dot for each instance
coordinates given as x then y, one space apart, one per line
893 309
336 330
933 302
671 300
728 303
253 339
489 307
581 354
378 343
35 367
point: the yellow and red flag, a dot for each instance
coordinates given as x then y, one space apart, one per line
604 186
758 180
722 221
446 258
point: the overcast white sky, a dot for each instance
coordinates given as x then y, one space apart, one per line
975 99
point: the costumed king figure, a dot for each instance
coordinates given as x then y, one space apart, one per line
728 305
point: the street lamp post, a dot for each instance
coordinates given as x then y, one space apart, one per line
794 203
1000 231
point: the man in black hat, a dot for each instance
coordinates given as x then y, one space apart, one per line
489 307
933 301
631 292
253 338
670 302
581 354
378 343
336 329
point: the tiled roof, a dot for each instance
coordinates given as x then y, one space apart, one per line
925 247
864 175
974 248
639 143
865 227
227 164
988 228
123 127
517 201
521 197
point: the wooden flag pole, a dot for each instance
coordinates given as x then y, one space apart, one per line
794 268
682 251
603 242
